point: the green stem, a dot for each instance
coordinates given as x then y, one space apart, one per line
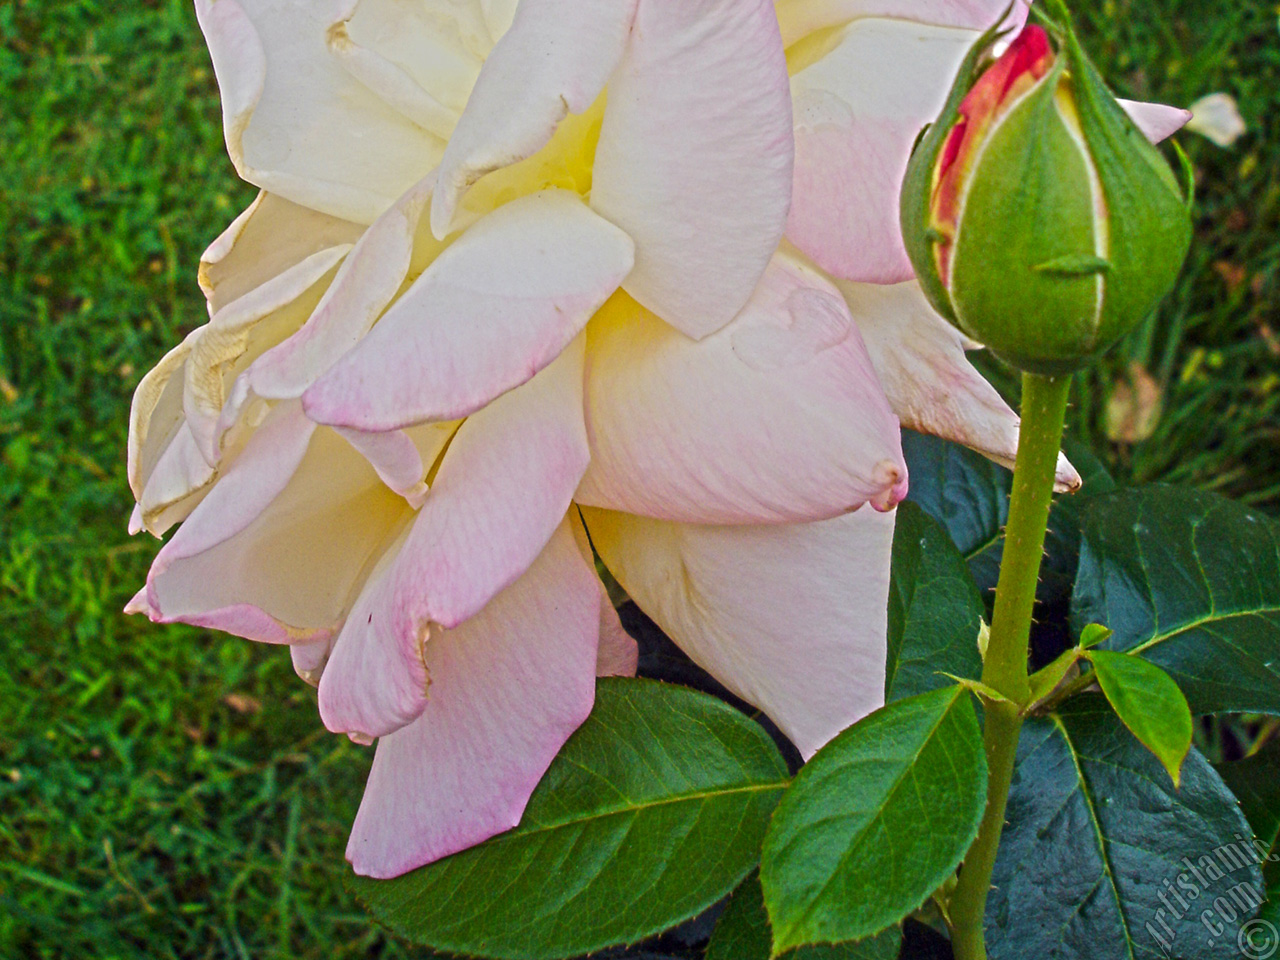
1044 408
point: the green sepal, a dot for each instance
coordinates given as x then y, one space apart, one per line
1188 174
1147 215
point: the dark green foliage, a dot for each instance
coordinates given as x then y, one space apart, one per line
1095 829
1256 783
1191 582
934 609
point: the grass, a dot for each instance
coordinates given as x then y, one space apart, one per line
169 792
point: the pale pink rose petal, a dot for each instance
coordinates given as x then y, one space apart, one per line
403 458
618 655
278 549
858 111
555 60
494 309
270 237
297 122
799 18
504 485
507 689
932 387
309 659
365 284
695 155
502 490
790 617
1157 121
778 416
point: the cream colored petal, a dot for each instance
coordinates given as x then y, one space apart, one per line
272 236
238 334
1217 117
695 156
155 414
297 122
553 61
280 547
790 617
376 271
799 18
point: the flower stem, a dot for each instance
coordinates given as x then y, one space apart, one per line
1044 408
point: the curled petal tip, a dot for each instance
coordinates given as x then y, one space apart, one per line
363 739
1068 479
138 604
892 476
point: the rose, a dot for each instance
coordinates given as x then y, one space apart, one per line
376 439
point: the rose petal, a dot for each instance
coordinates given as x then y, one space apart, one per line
501 491
237 335
1156 120
368 280
507 689
493 310
798 18
790 617
1217 117
858 111
280 546
553 61
695 155
778 416
155 414
299 124
270 237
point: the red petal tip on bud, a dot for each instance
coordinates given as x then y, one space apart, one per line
1029 57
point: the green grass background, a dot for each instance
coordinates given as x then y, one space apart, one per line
169 792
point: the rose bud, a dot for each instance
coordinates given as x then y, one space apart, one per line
1040 220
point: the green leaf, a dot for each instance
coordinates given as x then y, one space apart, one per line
743 934
1191 582
1094 634
1096 837
876 821
934 609
1256 783
653 811
1149 703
